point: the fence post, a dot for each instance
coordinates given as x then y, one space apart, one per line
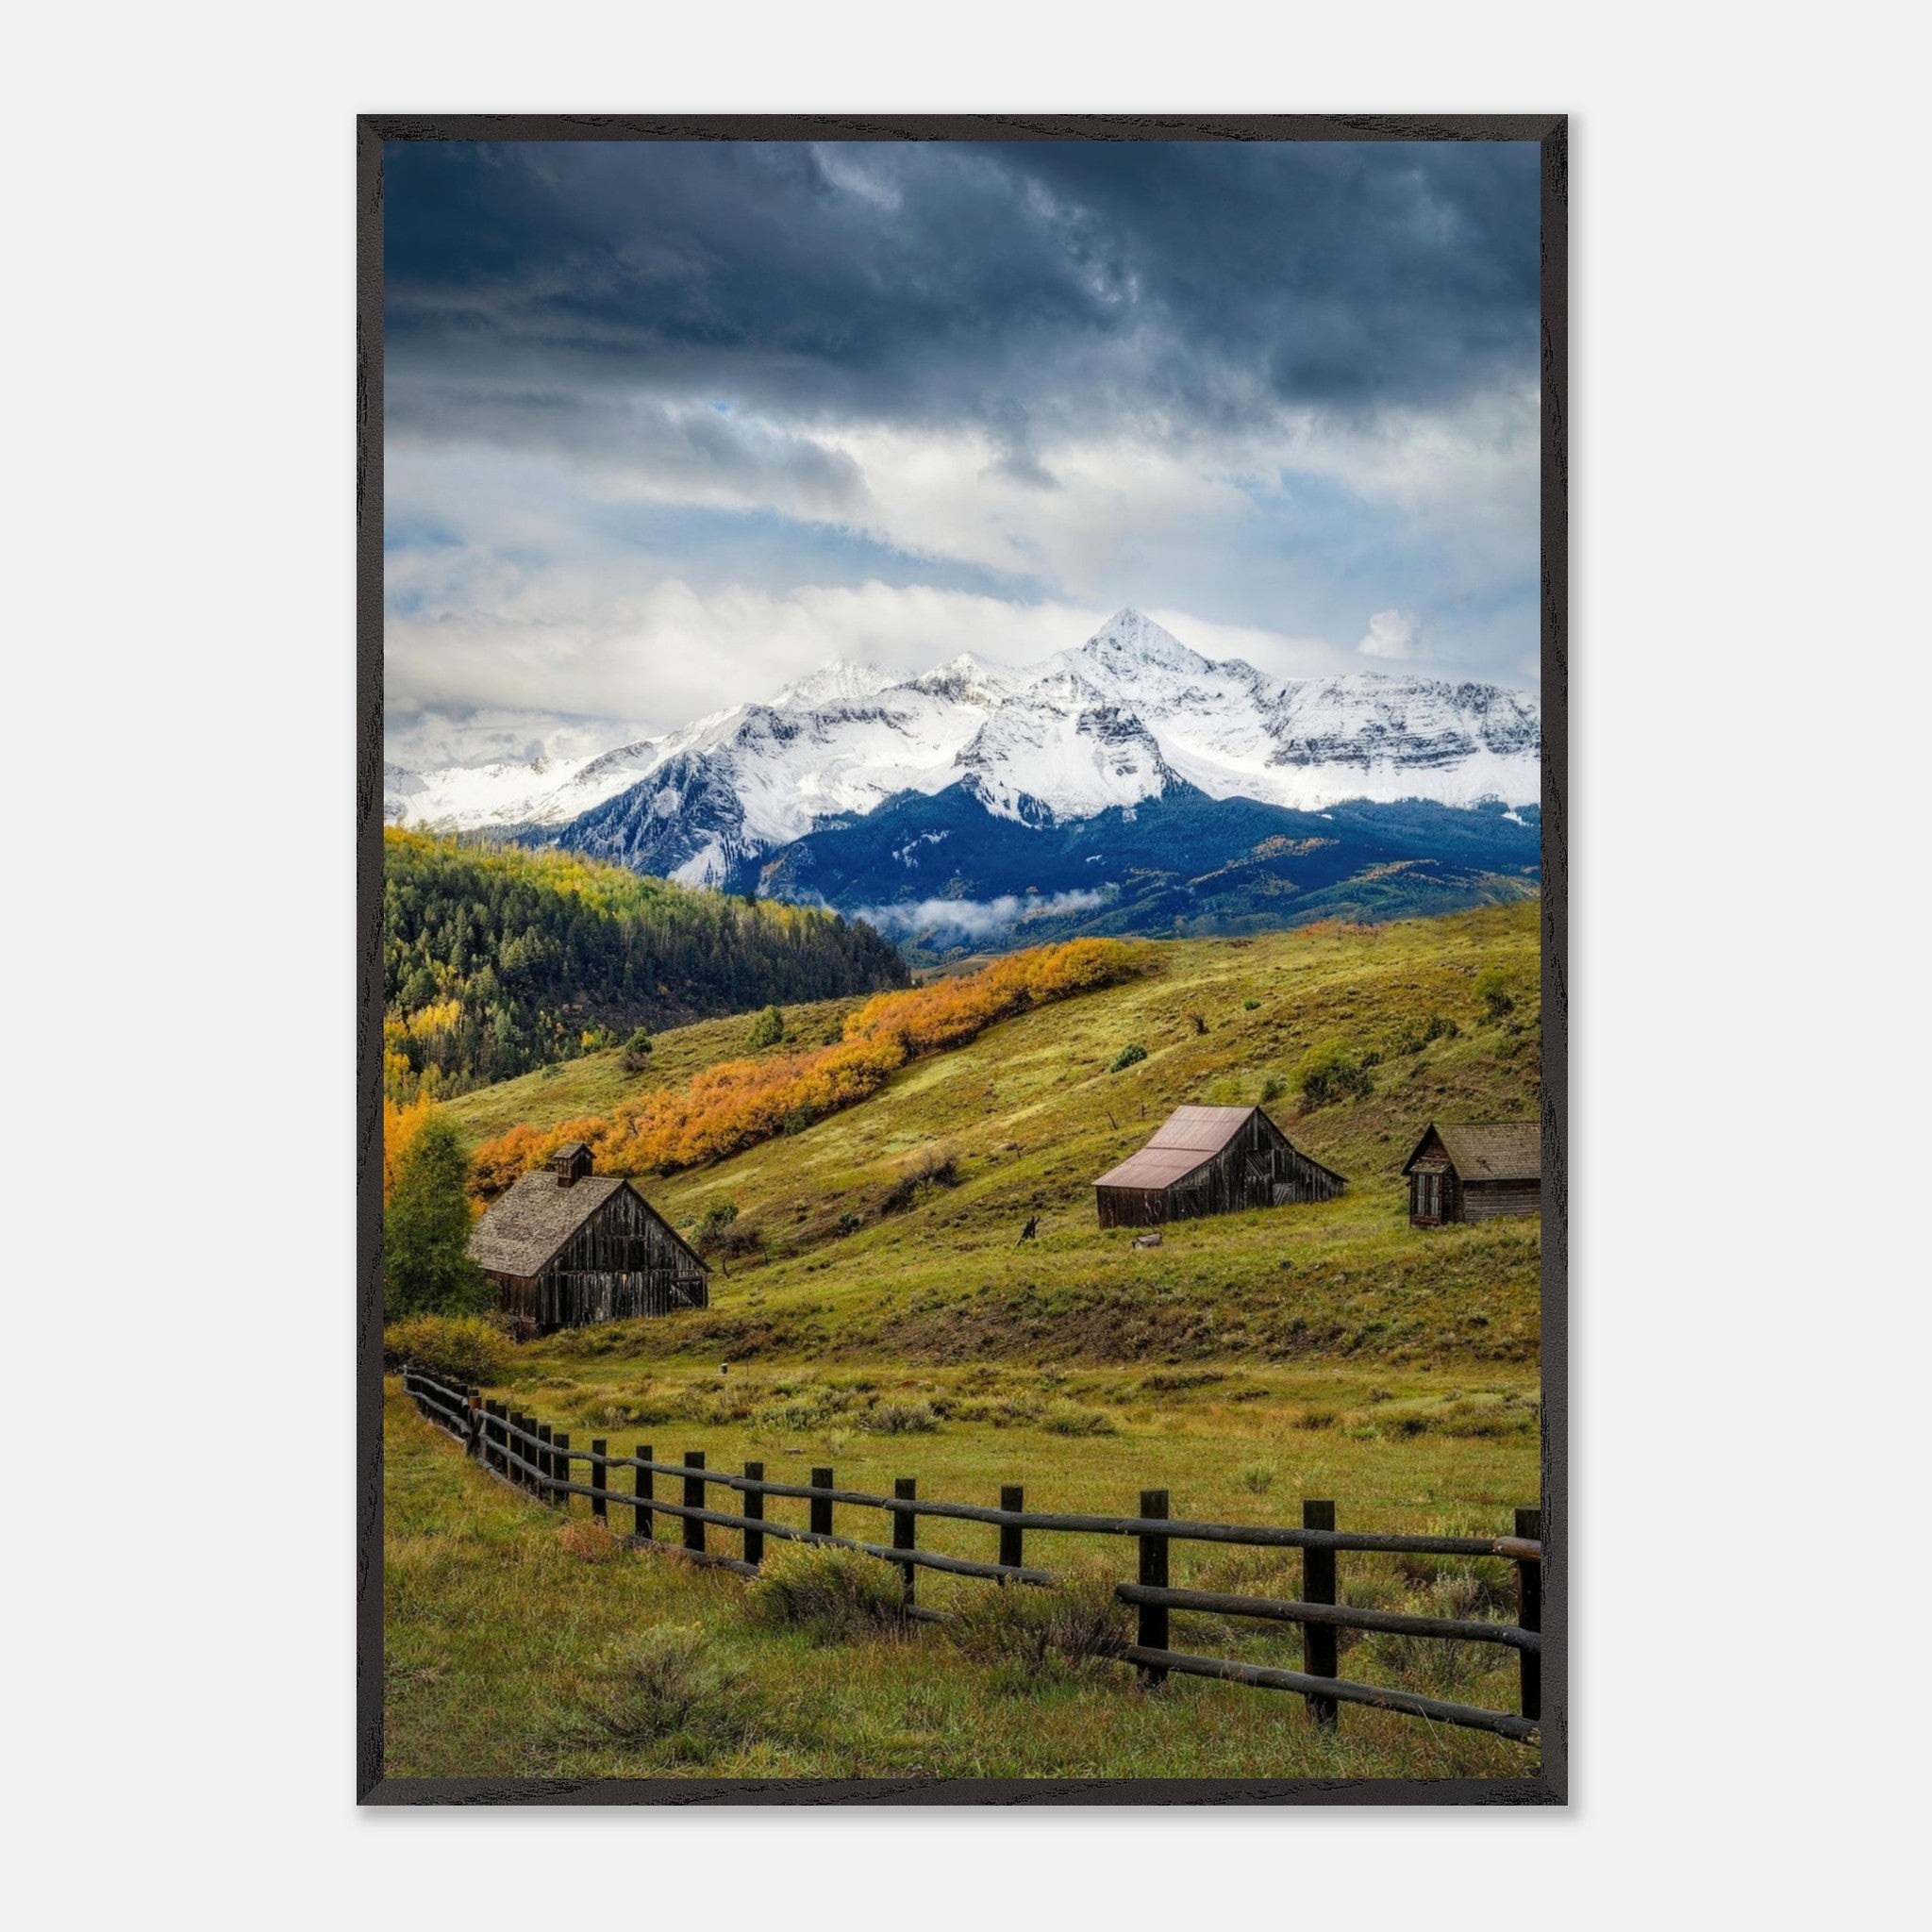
488 1435
643 1488
527 1450
560 1470
546 1468
905 1535
1012 1538
473 1439
1318 1586
820 1507
755 1507
1530 1615
1153 1632
693 1499
599 1477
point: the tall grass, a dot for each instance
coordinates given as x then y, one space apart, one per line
507 1657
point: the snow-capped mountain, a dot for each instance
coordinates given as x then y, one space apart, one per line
1132 714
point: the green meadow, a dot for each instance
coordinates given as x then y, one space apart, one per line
875 1308
520 1643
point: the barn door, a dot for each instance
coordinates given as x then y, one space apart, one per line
1260 1181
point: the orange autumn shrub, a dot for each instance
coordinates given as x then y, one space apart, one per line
496 1163
737 1103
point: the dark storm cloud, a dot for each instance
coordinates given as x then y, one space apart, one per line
709 450
667 424
1024 289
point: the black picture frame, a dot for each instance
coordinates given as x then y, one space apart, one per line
373 132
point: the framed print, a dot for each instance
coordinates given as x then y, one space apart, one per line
960 812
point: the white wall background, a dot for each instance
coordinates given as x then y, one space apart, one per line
1749 712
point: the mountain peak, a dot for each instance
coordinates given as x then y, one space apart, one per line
837 680
1120 718
1127 637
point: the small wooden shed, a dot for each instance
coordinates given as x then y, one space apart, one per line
1210 1160
1474 1172
566 1247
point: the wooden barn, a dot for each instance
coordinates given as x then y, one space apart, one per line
566 1247
1475 1173
1210 1160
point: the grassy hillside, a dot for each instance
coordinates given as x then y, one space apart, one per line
882 1316
892 1231
596 1081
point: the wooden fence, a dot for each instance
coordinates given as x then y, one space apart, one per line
540 1459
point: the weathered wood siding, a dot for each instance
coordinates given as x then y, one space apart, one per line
1434 1194
1488 1200
623 1263
1439 1194
1256 1169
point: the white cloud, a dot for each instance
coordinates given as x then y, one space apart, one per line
959 496
1470 473
581 641
976 918
1392 634
521 611
487 661
431 741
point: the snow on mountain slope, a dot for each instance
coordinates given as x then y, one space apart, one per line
1065 754
547 792
843 680
1115 720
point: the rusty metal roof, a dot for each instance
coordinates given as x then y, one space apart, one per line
1189 1138
1204 1129
1153 1167
1491 1151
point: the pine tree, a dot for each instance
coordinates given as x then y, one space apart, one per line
426 1230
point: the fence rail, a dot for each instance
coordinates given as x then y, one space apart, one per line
536 1458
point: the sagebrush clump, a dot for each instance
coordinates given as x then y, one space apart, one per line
665 1689
1030 1633
1328 1073
1072 1420
899 1419
836 1595
465 1348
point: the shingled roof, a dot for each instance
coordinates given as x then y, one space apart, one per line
1497 1151
1189 1138
524 1230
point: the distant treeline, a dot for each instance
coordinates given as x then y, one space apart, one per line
497 960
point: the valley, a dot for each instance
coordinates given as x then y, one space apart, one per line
876 1308
892 1230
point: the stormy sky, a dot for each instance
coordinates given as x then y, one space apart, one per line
670 424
